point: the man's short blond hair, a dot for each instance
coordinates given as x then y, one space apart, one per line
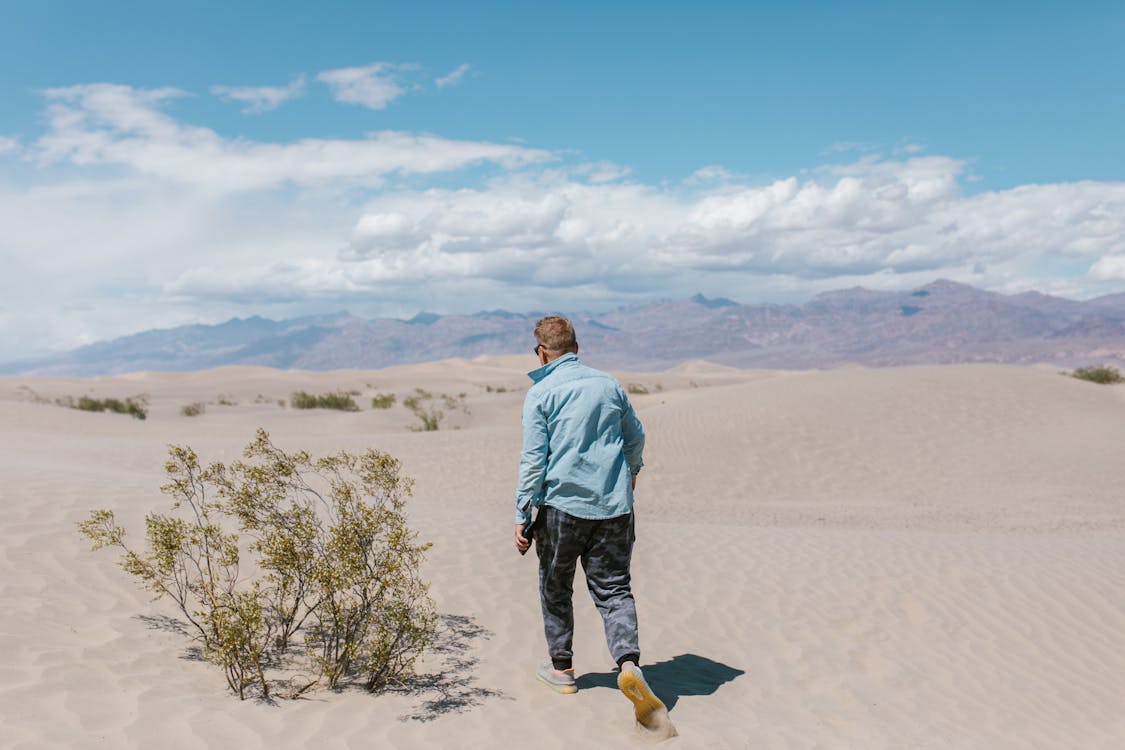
555 333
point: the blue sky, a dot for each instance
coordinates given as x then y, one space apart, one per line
171 163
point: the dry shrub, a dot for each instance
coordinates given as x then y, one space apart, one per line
333 582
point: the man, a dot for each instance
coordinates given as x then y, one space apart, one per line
582 448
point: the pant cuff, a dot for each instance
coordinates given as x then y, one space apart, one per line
635 658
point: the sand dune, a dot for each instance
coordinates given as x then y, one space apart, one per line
922 557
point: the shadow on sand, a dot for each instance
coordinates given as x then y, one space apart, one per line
683 675
453 688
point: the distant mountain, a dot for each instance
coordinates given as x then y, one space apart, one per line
699 299
942 322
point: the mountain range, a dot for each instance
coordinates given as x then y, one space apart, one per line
942 322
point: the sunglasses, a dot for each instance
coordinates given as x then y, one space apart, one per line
535 351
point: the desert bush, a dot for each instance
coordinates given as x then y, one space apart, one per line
193 409
134 406
26 391
226 399
333 579
383 401
1104 374
636 389
422 405
341 401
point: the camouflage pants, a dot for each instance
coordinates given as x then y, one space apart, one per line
605 548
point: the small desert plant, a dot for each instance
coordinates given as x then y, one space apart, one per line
26 391
497 389
333 562
1104 374
636 389
383 401
193 409
135 406
226 399
429 414
340 401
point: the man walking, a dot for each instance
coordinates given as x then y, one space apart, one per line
582 446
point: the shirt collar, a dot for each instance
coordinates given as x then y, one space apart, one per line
542 372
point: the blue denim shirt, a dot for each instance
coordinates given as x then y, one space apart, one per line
582 443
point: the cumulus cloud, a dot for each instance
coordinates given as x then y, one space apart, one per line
878 222
1109 268
602 171
373 86
130 198
454 77
259 99
105 124
157 214
9 145
873 216
89 259
712 174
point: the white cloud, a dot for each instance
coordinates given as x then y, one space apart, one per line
1109 268
712 174
602 171
847 147
129 199
259 99
111 125
870 217
9 145
886 222
454 76
90 259
373 86
157 222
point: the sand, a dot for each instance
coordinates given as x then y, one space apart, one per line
905 558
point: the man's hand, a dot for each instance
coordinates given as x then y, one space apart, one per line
521 543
